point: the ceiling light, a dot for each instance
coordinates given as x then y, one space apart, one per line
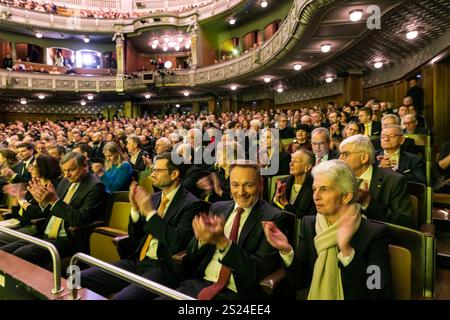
186 93
172 44
177 105
378 64
267 79
355 15
180 39
38 35
23 101
297 66
41 97
280 89
154 45
86 39
325 47
232 21
328 79
165 48
412 34
168 64
90 97
83 103
166 39
147 96
233 87
264 3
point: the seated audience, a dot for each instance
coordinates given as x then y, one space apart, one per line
320 141
337 245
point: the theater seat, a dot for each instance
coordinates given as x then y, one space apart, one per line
118 212
400 260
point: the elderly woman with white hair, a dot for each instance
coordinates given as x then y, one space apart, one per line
338 245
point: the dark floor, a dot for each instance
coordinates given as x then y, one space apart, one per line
442 284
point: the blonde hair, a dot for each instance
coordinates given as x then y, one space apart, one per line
119 155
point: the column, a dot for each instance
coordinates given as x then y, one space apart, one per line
120 56
234 103
194 46
13 51
226 104
441 101
353 86
212 105
195 107
128 106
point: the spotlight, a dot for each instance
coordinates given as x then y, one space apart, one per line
267 79
90 97
235 52
86 39
83 103
264 3
186 93
329 79
41 97
147 96
297 66
177 105
378 64
38 35
168 64
232 21
233 87
325 48
23 101
355 15
412 34
280 89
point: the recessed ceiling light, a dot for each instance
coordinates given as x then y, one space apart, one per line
186 93
233 87
83 103
355 15
297 66
325 47
86 39
378 64
329 79
177 105
280 89
38 35
90 97
267 79
147 96
264 3
232 21
41 97
412 34
23 101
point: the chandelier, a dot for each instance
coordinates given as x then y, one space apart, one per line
171 42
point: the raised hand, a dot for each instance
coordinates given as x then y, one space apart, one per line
131 195
143 201
147 161
275 237
210 229
347 229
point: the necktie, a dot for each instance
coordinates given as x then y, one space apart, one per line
54 229
162 207
224 276
318 160
366 130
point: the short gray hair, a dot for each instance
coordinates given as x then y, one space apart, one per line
391 116
80 160
321 130
340 174
360 143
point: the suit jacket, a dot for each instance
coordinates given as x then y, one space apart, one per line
376 128
304 203
173 231
411 166
370 243
251 258
23 175
390 199
417 130
140 164
87 204
97 152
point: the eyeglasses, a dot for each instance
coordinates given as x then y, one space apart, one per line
344 155
390 136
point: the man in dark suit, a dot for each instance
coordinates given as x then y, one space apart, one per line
415 93
410 124
20 172
408 144
134 147
78 200
160 226
391 157
285 132
320 141
383 194
336 246
229 254
294 193
98 143
371 128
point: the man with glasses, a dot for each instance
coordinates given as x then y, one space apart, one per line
160 226
285 131
383 194
410 125
320 141
391 157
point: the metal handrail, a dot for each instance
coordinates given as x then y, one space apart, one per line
56 261
127 276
